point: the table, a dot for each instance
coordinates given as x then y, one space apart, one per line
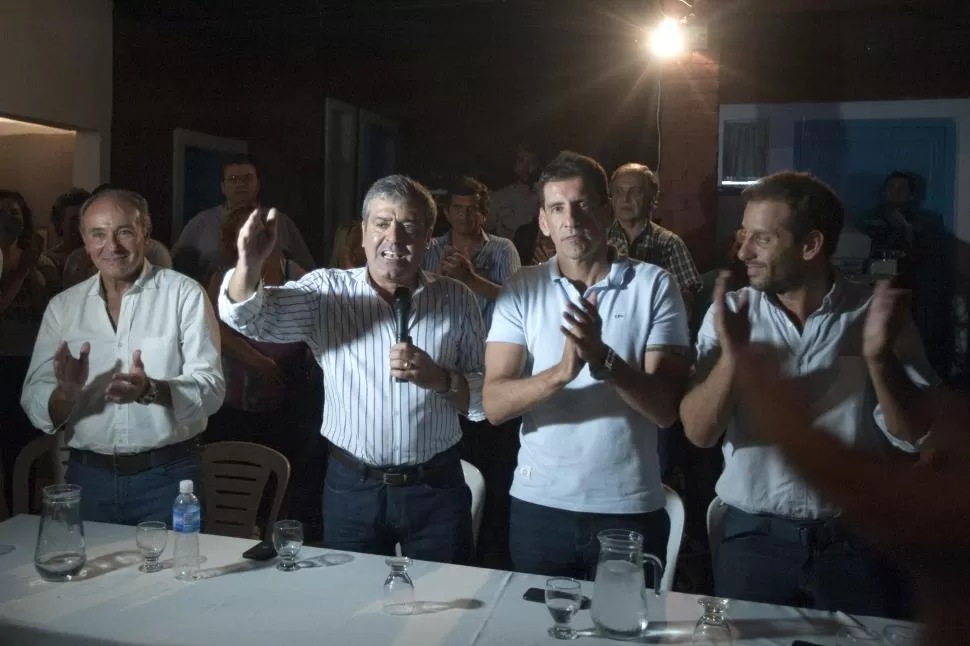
335 599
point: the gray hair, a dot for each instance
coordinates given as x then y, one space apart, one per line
402 189
640 169
129 198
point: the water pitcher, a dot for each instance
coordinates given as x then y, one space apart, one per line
60 551
620 595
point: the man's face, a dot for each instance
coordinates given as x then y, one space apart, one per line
11 221
464 216
768 248
525 166
240 184
573 218
632 197
395 238
115 238
898 193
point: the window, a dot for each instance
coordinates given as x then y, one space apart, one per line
744 152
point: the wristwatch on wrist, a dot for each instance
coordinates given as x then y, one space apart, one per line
452 387
150 394
603 372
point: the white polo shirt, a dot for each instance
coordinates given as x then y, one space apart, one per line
584 449
826 359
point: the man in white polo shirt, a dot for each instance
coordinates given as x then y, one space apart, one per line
591 350
862 371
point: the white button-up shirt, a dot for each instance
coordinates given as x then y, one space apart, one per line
826 359
164 314
350 330
584 449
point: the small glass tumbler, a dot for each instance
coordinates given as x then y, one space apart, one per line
857 636
151 537
288 541
712 629
564 596
901 635
398 587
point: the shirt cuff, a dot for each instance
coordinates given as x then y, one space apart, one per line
903 445
476 409
238 315
36 403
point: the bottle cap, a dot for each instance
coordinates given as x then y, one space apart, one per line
186 486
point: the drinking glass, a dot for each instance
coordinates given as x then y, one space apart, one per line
398 587
288 541
563 598
901 635
857 636
712 629
151 536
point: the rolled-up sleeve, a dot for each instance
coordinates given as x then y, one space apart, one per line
200 388
41 382
471 355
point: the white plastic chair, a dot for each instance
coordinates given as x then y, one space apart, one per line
674 506
715 525
475 482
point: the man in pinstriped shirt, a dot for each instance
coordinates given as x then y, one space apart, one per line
391 409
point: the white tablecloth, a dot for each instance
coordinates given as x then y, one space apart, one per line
335 600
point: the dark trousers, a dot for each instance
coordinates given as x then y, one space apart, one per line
816 565
494 450
555 542
432 520
131 499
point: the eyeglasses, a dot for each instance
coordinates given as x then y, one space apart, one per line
245 178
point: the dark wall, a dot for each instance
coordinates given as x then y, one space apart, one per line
465 83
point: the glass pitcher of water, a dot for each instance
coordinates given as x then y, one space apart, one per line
620 595
60 551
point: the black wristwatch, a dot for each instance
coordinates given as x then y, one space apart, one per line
150 394
603 372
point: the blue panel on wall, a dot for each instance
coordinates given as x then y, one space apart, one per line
203 178
854 157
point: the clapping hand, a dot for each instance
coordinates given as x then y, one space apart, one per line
71 373
126 388
884 320
733 328
456 264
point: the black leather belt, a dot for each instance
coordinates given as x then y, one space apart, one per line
398 476
816 534
126 464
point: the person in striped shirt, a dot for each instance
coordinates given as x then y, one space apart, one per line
391 408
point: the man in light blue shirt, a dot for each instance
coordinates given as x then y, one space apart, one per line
860 369
591 350
391 407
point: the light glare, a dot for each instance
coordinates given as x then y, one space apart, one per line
667 39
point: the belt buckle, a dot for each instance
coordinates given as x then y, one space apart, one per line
394 478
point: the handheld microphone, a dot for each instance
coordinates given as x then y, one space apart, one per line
402 312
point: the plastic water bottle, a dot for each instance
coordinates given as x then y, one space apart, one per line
186 521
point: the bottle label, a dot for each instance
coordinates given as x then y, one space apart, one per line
187 519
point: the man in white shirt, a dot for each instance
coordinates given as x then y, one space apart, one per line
860 367
197 253
127 365
391 408
516 204
591 350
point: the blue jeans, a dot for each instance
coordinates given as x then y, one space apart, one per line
131 499
432 521
556 542
773 560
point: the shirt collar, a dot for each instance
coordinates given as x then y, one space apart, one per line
148 279
446 238
360 275
619 275
616 229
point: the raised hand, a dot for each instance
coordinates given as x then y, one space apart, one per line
884 320
71 373
584 328
125 388
411 363
733 328
257 238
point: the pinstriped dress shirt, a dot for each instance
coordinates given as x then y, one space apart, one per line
350 330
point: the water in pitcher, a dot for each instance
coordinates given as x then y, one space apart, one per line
619 607
60 567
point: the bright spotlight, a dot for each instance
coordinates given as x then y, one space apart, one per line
667 39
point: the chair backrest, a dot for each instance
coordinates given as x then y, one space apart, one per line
31 462
475 482
234 478
674 507
715 525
